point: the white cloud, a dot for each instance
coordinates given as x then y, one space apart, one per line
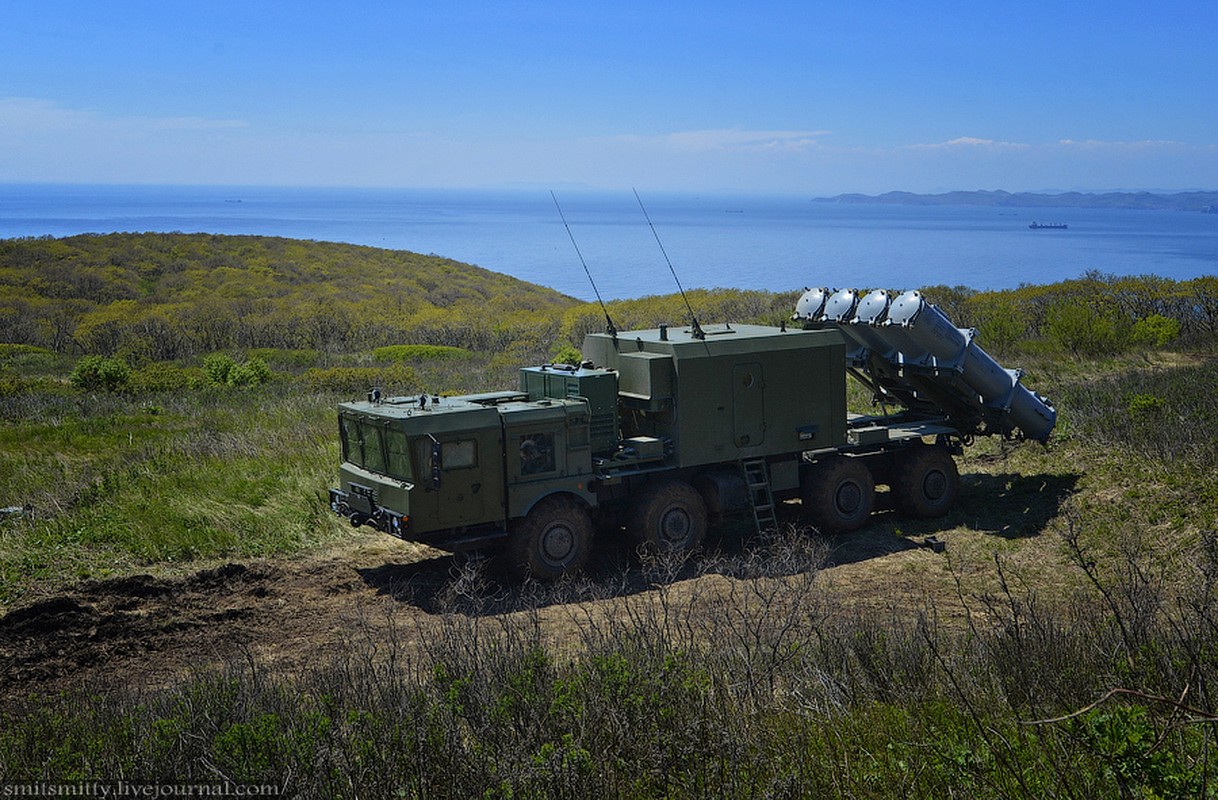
732 139
970 142
29 115
1145 144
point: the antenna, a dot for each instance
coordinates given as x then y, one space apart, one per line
610 329
697 329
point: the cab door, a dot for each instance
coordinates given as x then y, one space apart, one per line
469 469
536 459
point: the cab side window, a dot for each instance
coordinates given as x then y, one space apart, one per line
537 453
459 455
453 455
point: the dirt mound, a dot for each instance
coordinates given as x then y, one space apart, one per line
129 618
149 631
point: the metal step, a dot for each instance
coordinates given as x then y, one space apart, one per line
761 499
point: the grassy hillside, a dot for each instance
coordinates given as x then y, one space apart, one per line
166 296
166 405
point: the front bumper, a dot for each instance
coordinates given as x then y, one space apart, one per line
359 509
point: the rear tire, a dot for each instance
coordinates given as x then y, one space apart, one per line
669 516
553 540
927 482
837 494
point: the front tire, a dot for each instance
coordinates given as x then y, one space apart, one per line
554 539
927 482
669 516
837 494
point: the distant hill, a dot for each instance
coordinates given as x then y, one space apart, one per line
1182 201
170 295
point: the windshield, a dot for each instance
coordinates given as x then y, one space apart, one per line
374 445
399 454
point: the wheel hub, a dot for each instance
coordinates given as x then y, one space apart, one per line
674 527
557 542
849 498
934 485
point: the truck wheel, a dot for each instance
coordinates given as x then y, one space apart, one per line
837 494
553 540
668 516
927 482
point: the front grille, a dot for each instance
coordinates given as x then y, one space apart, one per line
362 498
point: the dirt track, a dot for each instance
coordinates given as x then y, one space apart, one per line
292 612
152 629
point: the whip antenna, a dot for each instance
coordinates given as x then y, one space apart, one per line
697 329
610 329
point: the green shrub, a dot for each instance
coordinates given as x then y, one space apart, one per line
7 350
222 370
998 319
163 376
420 352
1127 744
1084 329
96 373
1155 331
394 378
218 366
567 354
253 372
1143 405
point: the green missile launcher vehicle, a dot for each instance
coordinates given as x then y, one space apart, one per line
661 430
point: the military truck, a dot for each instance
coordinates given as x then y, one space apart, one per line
660 431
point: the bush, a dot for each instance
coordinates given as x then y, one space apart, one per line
218 366
95 373
1155 331
1083 329
396 378
8 350
1142 405
420 352
222 370
253 372
13 385
567 354
164 377
998 319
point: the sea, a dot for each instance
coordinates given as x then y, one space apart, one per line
582 243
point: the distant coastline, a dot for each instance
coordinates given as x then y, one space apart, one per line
775 242
1180 201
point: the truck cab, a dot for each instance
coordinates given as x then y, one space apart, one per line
452 471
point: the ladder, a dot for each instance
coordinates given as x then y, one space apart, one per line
761 499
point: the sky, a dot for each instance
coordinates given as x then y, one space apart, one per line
804 97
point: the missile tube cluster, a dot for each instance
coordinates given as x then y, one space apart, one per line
913 334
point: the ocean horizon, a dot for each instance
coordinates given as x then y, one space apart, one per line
721 239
